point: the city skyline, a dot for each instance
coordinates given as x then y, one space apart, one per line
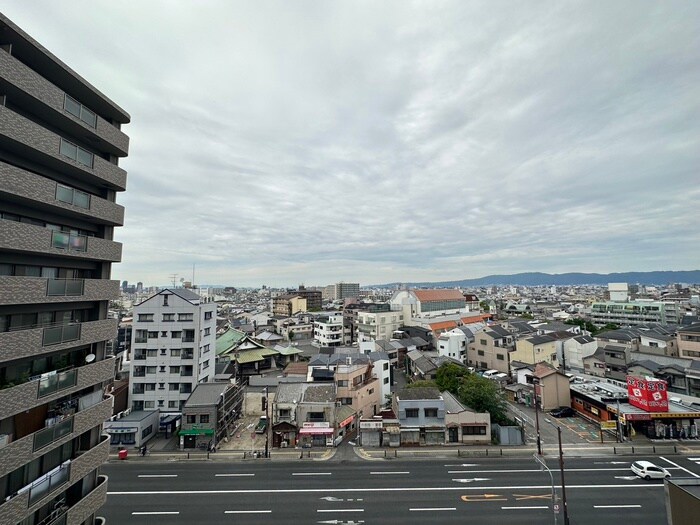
320 142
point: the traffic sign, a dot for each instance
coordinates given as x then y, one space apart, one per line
556 508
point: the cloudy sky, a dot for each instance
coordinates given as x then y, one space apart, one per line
278 142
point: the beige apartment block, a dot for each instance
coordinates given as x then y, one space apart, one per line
357 388
490 349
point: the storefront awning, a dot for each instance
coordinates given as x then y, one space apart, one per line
316 430
197 432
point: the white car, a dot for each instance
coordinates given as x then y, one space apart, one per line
647 470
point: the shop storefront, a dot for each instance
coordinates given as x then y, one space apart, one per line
316 434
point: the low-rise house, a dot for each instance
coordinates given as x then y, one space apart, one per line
453 344
551 387
575 349
464 425
688 341
420 367
594 364
421 415
490 349
209 414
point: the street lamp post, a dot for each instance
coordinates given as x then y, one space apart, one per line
551 478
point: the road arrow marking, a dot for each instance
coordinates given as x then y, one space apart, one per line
463 465
625 477
470 480
331 498
610 462
484 497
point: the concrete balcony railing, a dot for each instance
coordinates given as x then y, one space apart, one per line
38 493
44 92
25 396
19 133
17 184
89 504
18 344
39 290
30 239
26 449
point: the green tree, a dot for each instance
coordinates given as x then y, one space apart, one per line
291 335
585 325
449 376
485 306
483 395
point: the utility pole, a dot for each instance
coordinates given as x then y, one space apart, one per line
535 384
269 424
563 485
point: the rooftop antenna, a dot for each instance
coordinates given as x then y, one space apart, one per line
193 265
173 279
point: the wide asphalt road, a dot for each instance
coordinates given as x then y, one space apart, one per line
599 491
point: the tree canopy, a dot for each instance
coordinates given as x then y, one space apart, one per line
449 376
483 395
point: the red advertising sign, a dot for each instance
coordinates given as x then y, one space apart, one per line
648 394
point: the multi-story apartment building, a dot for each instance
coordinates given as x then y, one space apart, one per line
490 349
173 348
634 313
537 349
328 330
346 290
688 341
453 344
358 387
60 142
373 325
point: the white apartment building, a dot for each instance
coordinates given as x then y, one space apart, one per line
173 347
453 344
378 325
328 330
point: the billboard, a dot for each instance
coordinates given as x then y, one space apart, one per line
648 394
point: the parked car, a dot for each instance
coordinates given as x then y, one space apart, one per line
261 427
647 470
563 412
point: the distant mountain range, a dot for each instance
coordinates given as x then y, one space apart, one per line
564 279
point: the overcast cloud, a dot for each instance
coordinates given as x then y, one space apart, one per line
310 142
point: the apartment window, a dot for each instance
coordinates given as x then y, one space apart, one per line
204 418
346 400
207 315
173 404
342 382
386 380
150 369
149 404
161 386
76 109
205 349
500 357
185 317
153 335
411 412
151 352
191 419
145 318
168 318
174 369
76 153
162 369
371 391
176 335
72 196
482 342
161 403
480 352
386 366
174 352
149 387
141 336
430 412
207 331
188 336
174 387
205 365
165 299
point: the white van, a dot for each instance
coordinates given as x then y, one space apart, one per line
489 374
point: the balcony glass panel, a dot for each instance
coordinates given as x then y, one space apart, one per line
53 382
71 332
52 336
74 287
60 240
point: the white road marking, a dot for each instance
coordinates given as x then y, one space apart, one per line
429 509
626 477
340 510
154 513
380 472
525 508
678 466
469 480
464 465
311 473
232 475
617 506
515 471
157 475
694 459
363 490
247 512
